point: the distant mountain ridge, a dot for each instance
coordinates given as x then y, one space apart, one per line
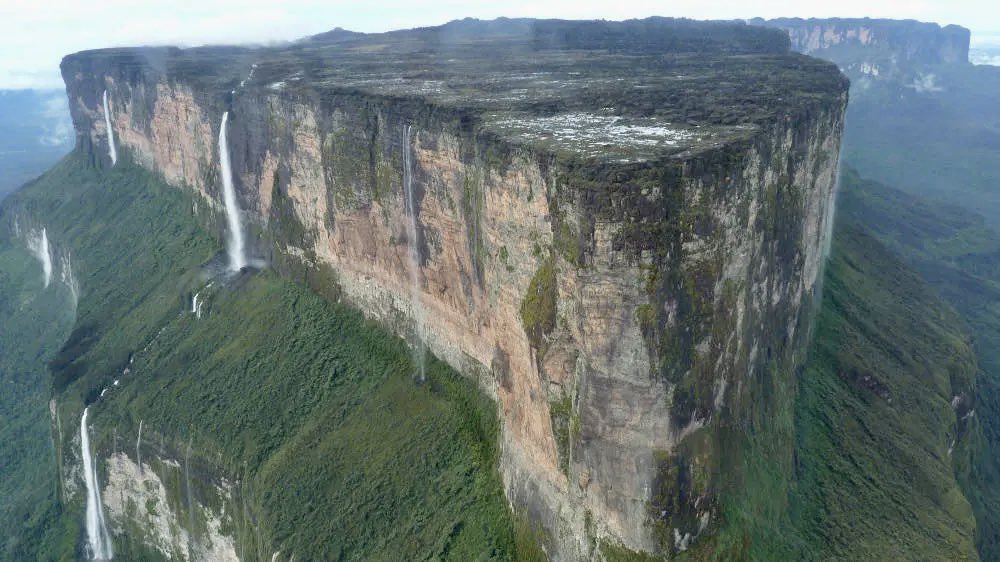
922 117
875 47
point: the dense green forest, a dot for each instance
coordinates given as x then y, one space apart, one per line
874 417
34 321
959 257
311 409
330 436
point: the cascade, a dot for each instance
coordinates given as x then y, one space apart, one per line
112 152
98 538
237 259
67 277
196 305
414 252
38 245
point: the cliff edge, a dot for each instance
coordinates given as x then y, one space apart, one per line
617 229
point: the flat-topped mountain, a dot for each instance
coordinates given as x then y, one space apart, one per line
615 228
634 89
875 47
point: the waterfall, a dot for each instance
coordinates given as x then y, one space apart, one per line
826 243
414 253
138 452
111 133
98 538
831 214
38 245
190 500
68 279
46 257
236 258
195 305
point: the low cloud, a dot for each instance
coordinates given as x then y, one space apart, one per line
38 34
925 84
991 57
57 127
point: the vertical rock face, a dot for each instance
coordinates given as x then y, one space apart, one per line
616 234
170 522
875 47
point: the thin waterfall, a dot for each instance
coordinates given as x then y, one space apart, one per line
68 278
98 538
196 305
831 213
138 451
38 245
826 244
46 257
237 259
190 500
112 151
411 211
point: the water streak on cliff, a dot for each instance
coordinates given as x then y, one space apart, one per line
411 235
38 245
237 259
98 538
138 452
112 152
68 278
190 501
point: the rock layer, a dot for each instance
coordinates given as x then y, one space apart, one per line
876 47
620 227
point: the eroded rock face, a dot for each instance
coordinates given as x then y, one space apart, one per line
621 308
170 522
876 47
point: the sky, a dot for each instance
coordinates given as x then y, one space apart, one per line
37 33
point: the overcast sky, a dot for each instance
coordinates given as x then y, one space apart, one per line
37 33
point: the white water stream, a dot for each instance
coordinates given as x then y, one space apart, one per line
38 245
237 257
98 538
112 151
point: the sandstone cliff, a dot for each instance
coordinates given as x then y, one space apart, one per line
619 228
876 47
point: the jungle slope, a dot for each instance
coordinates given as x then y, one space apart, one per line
285 388
34 321
959 256
874 418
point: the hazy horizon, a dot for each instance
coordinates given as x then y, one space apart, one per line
38 35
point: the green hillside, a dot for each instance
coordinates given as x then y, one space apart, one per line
338 453
960 258
874 420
